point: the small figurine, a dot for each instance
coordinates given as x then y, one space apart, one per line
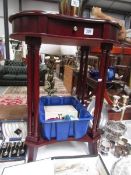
50 77
116 106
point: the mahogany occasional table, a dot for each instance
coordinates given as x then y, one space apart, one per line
36 27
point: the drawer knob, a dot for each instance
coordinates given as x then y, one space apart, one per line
75 28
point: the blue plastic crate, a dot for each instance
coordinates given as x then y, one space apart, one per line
62 129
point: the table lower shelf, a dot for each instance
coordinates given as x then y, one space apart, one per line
41 141
33 146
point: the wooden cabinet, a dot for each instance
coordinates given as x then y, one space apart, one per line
68 78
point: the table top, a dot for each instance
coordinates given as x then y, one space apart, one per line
62 29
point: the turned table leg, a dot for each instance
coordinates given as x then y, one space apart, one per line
32 153
82 79
92 146
33 61
101 84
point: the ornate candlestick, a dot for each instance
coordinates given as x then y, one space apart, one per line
124 104
125 99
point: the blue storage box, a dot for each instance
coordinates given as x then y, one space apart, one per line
62 129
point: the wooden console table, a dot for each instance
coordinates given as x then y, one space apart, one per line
35 27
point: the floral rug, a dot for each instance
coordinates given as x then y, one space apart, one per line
10 100
17 95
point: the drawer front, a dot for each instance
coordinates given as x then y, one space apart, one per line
74 29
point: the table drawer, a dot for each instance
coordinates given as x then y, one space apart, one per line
74 29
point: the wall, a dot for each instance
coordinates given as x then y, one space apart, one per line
68 50
1 19
13 7
2 26
51 49
38 5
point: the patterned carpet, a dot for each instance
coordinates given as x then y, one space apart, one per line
18 94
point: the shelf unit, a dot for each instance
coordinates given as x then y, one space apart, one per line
36 27
122 60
